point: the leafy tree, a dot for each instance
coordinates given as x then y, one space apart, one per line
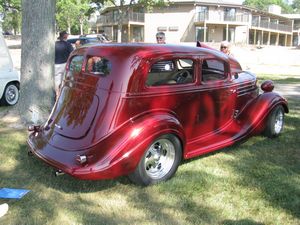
70 13
10 11
8 5
263 5
12 21
296 6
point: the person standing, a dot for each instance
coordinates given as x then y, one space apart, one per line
62 52
160 38
225 48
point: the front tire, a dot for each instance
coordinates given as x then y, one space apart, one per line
159 162
275 122
11 95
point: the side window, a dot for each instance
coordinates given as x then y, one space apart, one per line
171 72
75 66
98 65
213 69
162 66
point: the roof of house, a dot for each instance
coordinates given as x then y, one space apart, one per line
292 16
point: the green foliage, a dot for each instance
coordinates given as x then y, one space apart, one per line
11 11
296 6
71 13
8 5
12 21
263 5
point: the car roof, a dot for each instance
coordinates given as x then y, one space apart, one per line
129 60
73 40
145 50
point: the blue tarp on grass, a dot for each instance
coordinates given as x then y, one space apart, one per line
12 193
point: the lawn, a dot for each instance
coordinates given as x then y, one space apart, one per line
255 182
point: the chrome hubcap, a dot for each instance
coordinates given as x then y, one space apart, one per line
278 122
11 94
159 158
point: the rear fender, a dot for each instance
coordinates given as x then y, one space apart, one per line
143 131
256 112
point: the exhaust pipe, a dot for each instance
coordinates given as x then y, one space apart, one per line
58 173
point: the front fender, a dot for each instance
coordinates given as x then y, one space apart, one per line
255 115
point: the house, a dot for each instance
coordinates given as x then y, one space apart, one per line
296 27
205 21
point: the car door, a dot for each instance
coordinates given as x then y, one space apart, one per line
216 100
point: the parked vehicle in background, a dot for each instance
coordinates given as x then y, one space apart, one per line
89 39
9 77
139 109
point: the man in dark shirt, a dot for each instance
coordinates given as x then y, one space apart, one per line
62 52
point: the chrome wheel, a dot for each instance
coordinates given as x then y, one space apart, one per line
275 122
278 122
159 158
11 94
159 162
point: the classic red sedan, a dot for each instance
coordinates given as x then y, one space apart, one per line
140 109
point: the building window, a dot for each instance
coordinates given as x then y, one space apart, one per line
201 13
173 28
162 28
229 14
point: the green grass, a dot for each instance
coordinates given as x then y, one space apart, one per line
279 79
252 183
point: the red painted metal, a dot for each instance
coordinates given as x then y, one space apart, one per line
111 120
267 86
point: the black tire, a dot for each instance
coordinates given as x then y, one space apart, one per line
10 95
159 162
275 122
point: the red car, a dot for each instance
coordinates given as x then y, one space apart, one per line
140 109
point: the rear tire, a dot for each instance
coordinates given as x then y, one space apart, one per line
275 122
10 95
159 162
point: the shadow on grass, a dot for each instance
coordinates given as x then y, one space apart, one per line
241 222
274 167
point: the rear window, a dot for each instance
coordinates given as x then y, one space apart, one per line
98 65
75 66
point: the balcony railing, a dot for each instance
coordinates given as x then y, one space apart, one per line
114 18
204 16
270 25
296 26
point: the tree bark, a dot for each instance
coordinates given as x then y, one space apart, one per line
37 60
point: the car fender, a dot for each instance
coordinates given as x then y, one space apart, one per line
256 112
149 127
8 77
123 157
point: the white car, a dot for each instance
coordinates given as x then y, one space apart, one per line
9 77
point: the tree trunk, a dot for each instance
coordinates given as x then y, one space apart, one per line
69 26
37 60
81 27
